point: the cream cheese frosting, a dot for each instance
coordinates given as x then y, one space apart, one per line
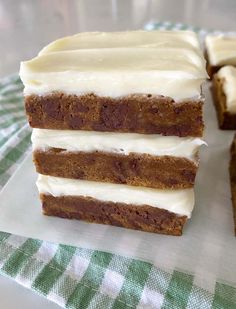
228 74
123 143
180 202
167 63
221 49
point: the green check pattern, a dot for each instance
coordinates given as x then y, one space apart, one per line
81 278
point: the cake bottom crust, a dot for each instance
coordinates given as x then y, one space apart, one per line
144 218
226 120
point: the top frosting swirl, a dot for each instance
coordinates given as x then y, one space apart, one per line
168 63
221 49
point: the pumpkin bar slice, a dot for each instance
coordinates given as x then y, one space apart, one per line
128 82
220 51
149 160
224 95
146 209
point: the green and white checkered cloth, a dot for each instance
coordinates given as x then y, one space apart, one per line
81 278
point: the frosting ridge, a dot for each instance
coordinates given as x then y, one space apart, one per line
228 74
168 63
123 143
221 49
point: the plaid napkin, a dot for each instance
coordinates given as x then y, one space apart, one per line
81 278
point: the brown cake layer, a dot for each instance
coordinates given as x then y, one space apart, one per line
134 113
232 172
164 172
226 120
144 218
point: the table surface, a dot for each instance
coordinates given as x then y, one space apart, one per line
28 25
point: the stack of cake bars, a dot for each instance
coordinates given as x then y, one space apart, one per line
117 121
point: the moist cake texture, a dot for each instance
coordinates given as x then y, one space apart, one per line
162 172
146 114
118 123
224 95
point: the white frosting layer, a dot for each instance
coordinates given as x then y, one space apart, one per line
180 202
165 63
228 73
123 143
221 49
90 40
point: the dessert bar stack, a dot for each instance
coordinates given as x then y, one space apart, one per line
117 125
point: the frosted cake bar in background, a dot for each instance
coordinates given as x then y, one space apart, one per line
224 95
220 51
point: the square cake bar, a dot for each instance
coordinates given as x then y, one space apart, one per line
149 160
146 209
224 95
220 51
146 82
